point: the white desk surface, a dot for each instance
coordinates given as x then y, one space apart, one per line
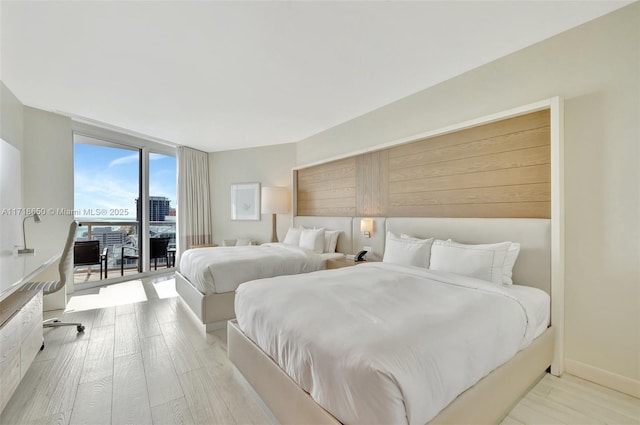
17 269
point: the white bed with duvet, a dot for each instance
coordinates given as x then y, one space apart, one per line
222 269
207 278
453 337
396 344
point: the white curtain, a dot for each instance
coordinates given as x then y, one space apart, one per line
194 206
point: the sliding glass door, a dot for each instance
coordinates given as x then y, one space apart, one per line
124 199
106 187
162 210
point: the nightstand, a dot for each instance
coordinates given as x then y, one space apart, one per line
339 263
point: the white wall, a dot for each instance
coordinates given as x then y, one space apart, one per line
270 166
11 124
46 147
47 174
11 117
47 177
595 67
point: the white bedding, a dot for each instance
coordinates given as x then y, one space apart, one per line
383 343
222 269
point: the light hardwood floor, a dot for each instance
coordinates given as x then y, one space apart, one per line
150 362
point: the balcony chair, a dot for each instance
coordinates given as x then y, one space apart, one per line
51 286
158 248
87 253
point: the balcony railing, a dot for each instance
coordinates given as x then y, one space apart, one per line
114 235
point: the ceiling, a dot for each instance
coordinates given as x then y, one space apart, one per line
226 75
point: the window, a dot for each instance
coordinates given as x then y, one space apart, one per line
112 181
162 199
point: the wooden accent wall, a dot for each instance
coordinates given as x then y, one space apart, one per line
372 184
328 189
501 169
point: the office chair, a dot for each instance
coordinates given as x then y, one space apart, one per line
51 286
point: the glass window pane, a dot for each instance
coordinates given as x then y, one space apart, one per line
106 187
106 182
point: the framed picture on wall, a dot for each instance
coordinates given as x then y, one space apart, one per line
245 201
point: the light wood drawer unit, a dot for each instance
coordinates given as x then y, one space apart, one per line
9 378
30 346
20 338
10 338
31 315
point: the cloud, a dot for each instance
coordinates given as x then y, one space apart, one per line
109 191
124 160
134 157
101 187
104 192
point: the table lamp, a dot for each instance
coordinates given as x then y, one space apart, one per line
26 250
275 200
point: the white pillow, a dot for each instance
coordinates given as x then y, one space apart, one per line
331 240
509 262
312 239
293 236
483 261
407 252
405 236
243 242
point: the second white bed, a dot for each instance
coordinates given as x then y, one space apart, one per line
222 269
381 343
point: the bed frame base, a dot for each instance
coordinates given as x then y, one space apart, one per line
212 310
487 402
288 402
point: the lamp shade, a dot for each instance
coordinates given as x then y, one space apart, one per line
275 200
366 225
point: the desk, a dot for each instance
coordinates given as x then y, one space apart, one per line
17 269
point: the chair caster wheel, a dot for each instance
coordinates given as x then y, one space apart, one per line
42 347
80 328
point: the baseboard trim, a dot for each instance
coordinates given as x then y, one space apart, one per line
603 377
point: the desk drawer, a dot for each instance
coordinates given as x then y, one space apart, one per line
31 314
30 347
9 377
10 338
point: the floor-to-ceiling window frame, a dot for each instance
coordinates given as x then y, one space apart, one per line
146 149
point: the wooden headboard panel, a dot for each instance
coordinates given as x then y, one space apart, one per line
499 169
327 189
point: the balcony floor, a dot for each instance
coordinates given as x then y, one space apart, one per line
81 276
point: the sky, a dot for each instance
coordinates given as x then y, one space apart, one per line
106 181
